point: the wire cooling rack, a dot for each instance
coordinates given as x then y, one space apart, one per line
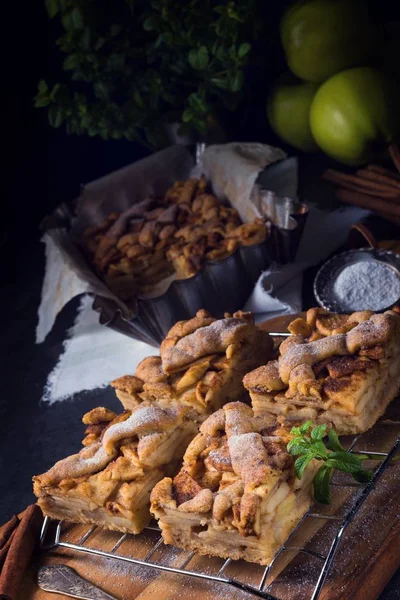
51 538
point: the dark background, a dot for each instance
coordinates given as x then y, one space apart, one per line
43 168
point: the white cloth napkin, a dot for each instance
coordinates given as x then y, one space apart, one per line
232 170
278 290
93 356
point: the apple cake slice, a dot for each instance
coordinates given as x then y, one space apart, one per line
344 379
201 364
201 367
236 495
109 481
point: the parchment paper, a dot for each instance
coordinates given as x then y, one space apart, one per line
232 170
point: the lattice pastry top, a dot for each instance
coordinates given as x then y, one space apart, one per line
235 463
127 444
301 362
198 358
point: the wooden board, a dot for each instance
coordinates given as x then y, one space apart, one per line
279 323
367 557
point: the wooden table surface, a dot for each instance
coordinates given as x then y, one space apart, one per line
367 557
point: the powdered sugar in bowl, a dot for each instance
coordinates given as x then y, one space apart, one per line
359 280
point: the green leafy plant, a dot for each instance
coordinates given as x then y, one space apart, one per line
134 66
308 444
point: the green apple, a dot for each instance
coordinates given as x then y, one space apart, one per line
323 37
288 108
355 115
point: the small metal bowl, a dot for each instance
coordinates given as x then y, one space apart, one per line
326 277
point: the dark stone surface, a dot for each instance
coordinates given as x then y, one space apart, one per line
33 434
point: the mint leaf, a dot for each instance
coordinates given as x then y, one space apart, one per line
344 462
306 427
321 483
366 456
307 444
319 449
301 463
333 441
302 429
297 446
319 432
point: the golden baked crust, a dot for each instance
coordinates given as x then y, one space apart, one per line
201 364
319 323
109 481
346 377
171 236
219 336
236 495
127 389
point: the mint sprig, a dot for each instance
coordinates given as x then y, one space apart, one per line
307 444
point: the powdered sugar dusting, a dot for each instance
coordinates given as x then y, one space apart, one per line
146 419
376 330
249 457
311 353
89 460
237 419
367 285
205 340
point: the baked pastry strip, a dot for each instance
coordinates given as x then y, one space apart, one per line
201 364
236 495
171 236
201 367
343 379
109 481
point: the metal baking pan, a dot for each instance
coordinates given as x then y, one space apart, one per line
221 286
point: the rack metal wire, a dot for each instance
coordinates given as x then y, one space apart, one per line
261 589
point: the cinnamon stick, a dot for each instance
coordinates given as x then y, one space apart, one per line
5 548
7 529
388 172
355 188
354 183
6 536
371 203
21 544
394 152
379 178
